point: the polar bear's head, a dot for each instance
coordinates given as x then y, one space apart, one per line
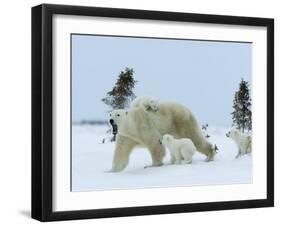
115 118
151 104
167 139
233 133
146 102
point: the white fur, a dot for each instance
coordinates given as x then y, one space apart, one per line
138 127
179 148
243 141
146 103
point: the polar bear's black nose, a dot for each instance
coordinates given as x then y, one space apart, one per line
111 121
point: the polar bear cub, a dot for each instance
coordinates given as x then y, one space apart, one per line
243 141
179 148
146 103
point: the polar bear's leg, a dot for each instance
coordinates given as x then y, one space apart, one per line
157 152
187 157
205 148
249 150
123 149
178 157
173 159
238 154
210 157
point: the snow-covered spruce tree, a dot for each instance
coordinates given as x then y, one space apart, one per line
122 93
242 114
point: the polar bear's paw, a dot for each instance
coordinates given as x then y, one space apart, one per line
153 165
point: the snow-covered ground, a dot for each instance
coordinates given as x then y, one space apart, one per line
91 159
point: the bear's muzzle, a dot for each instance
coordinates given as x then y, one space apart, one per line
114 126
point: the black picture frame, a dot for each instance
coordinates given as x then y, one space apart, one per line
42 107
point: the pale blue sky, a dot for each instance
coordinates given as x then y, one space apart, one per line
203 75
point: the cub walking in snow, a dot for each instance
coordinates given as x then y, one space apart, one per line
243 141
146 103
179 148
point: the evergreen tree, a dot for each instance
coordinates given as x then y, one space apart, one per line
242 115
122 93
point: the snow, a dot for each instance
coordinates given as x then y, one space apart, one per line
91 161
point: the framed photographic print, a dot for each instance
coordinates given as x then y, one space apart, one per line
145 112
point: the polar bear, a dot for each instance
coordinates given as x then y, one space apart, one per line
137 127
243 141
145 102
179 148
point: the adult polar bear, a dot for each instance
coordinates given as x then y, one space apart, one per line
138 127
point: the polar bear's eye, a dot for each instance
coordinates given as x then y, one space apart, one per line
118 115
